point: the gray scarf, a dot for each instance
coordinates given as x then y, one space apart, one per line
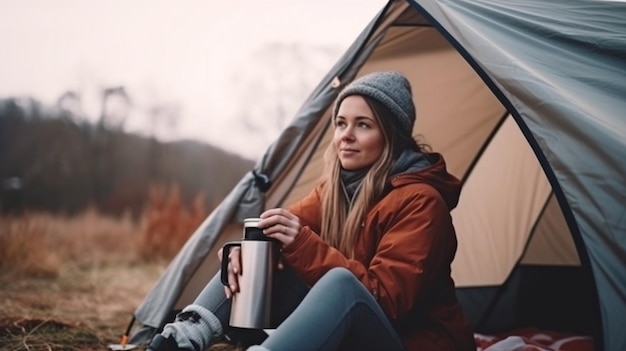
408 161
351 182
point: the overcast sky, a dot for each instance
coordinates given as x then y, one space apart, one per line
180 52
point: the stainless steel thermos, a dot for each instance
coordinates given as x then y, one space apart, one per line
251 305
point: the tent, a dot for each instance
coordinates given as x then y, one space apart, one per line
526 99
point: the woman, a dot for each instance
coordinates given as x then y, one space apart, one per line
374 242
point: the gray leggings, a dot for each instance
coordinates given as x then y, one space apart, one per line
337 313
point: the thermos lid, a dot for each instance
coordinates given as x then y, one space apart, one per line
251 230
251 222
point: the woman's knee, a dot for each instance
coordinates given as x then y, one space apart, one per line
338 274
342 285
339 278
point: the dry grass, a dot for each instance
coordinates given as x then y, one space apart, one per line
43 245
73 283
54 335
23 249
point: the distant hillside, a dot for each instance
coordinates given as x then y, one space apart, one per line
50 162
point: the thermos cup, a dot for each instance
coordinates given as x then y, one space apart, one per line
251 305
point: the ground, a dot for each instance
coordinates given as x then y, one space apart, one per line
80 309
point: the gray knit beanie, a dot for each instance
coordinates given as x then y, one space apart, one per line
391 88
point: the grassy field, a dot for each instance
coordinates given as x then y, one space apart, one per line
71 283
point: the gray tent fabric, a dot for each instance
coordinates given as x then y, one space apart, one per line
526 99
574 54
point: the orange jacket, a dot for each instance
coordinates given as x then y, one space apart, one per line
402 256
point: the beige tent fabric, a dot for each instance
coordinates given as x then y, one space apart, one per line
493 231
551 242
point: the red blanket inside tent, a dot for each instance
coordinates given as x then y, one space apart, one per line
532 339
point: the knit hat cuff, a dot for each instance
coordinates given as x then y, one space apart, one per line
382 96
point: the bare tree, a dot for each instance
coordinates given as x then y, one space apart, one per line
70 103
116 105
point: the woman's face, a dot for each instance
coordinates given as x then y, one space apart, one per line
358 139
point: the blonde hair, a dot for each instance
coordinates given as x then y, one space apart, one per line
341 221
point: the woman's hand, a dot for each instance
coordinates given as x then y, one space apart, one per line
234 270
281 225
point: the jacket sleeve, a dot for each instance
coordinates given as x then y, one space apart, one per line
308 210
416 244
